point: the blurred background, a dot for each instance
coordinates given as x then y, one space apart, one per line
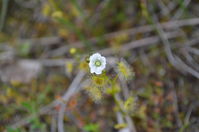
42 44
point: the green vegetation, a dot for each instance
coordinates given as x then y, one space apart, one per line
150 82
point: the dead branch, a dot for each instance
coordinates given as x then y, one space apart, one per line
74 85
70 91
174 60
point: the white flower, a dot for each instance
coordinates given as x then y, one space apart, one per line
97 63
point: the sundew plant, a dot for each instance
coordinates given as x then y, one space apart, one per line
109 77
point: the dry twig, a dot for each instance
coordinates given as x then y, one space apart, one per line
71 90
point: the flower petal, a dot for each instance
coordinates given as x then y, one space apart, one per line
94 56
98 71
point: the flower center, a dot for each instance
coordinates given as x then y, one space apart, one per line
98 63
